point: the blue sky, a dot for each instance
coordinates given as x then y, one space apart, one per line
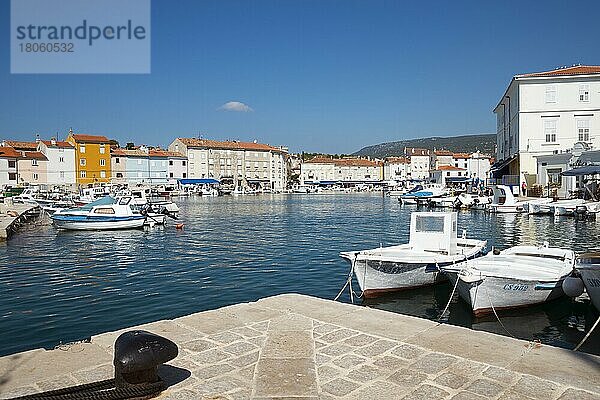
319 75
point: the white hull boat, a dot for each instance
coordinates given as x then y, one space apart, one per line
535 206
432 245
517 277
567 207
504 201
443 202
588 266
419 193
103 214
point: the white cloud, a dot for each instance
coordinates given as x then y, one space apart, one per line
235 106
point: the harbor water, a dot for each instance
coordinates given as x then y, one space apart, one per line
62 286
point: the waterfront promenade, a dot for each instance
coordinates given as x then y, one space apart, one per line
294 346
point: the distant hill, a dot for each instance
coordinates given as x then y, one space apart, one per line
486 143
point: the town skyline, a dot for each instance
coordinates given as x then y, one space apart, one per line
315 77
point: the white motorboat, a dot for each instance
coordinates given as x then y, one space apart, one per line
102 214
516 277
433 243
443 202
419 193
567 207
588 265
535 206
504 201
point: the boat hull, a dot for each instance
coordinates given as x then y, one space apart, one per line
95 225
591 280
499 293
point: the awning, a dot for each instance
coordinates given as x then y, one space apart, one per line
502 164
587 170
202 181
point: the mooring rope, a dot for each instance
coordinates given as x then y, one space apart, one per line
101 390
587 335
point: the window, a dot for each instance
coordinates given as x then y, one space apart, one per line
102 149
429 224
139 161
82 149
102 162
61 159
104 210
584 93
554 176
34 162
82 162
82 174
35 177
191 155
583 130
170 162
183 163
117 160
119 175
184 174
550 131
62 174
170 174
12 164
102 174
12 176
447 173
551 94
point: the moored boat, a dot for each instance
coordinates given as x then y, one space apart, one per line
504 201
102 214
516 277
433 243
588 265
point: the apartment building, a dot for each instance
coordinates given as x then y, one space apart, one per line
143 165
8 165
327 170
396 169
92 158
61 161
420 163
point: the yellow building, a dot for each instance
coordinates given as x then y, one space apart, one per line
92 158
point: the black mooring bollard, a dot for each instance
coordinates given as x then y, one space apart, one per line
138 355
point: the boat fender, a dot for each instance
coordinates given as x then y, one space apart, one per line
179 226
572 286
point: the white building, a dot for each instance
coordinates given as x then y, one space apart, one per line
61 161
326 170
479 165
420 161
8 165
246 164
449 175
545 113
396 169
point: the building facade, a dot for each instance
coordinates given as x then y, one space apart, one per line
147 166
32 168
449 175
326 170
396 169
545 113
8 165
420 163
245 164
92 158
61 161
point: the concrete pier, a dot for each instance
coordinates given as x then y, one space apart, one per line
8 223
300 347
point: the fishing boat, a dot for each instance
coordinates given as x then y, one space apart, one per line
588 265
433 243
516 277
102 214
504 201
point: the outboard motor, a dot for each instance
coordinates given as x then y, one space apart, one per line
581 212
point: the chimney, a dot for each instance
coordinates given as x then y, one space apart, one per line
53 141
3 143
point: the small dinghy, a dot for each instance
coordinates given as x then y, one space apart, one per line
102 214
433 244
516 277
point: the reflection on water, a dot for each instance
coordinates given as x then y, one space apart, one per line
64 286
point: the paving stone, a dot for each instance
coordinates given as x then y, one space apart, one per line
428 392
501 375
288 344
58 382
467 396
536 388
244 360
408 351
209 357
433 363
212 371
318 344
452 380
468 367
337 335
22 391
336 349
261 326
574 394
246 373
291 322
377 348
349 361
485 388
366 373
510 394
198 345
379 390
407 378
219 387
184 362
321 359
285 377
391 363
325 328
183 394
98 373
239 348
243 394
328 372
247 332
258 341
226 337
360 340
339 387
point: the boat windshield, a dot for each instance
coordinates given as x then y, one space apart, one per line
104 201
416 189
430 223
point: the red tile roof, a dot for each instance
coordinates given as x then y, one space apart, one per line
411 151
34 155
443 153
64 145
574 70
22 145
230 144
449 168
461 155
165 153
81 138
398 160
9 152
